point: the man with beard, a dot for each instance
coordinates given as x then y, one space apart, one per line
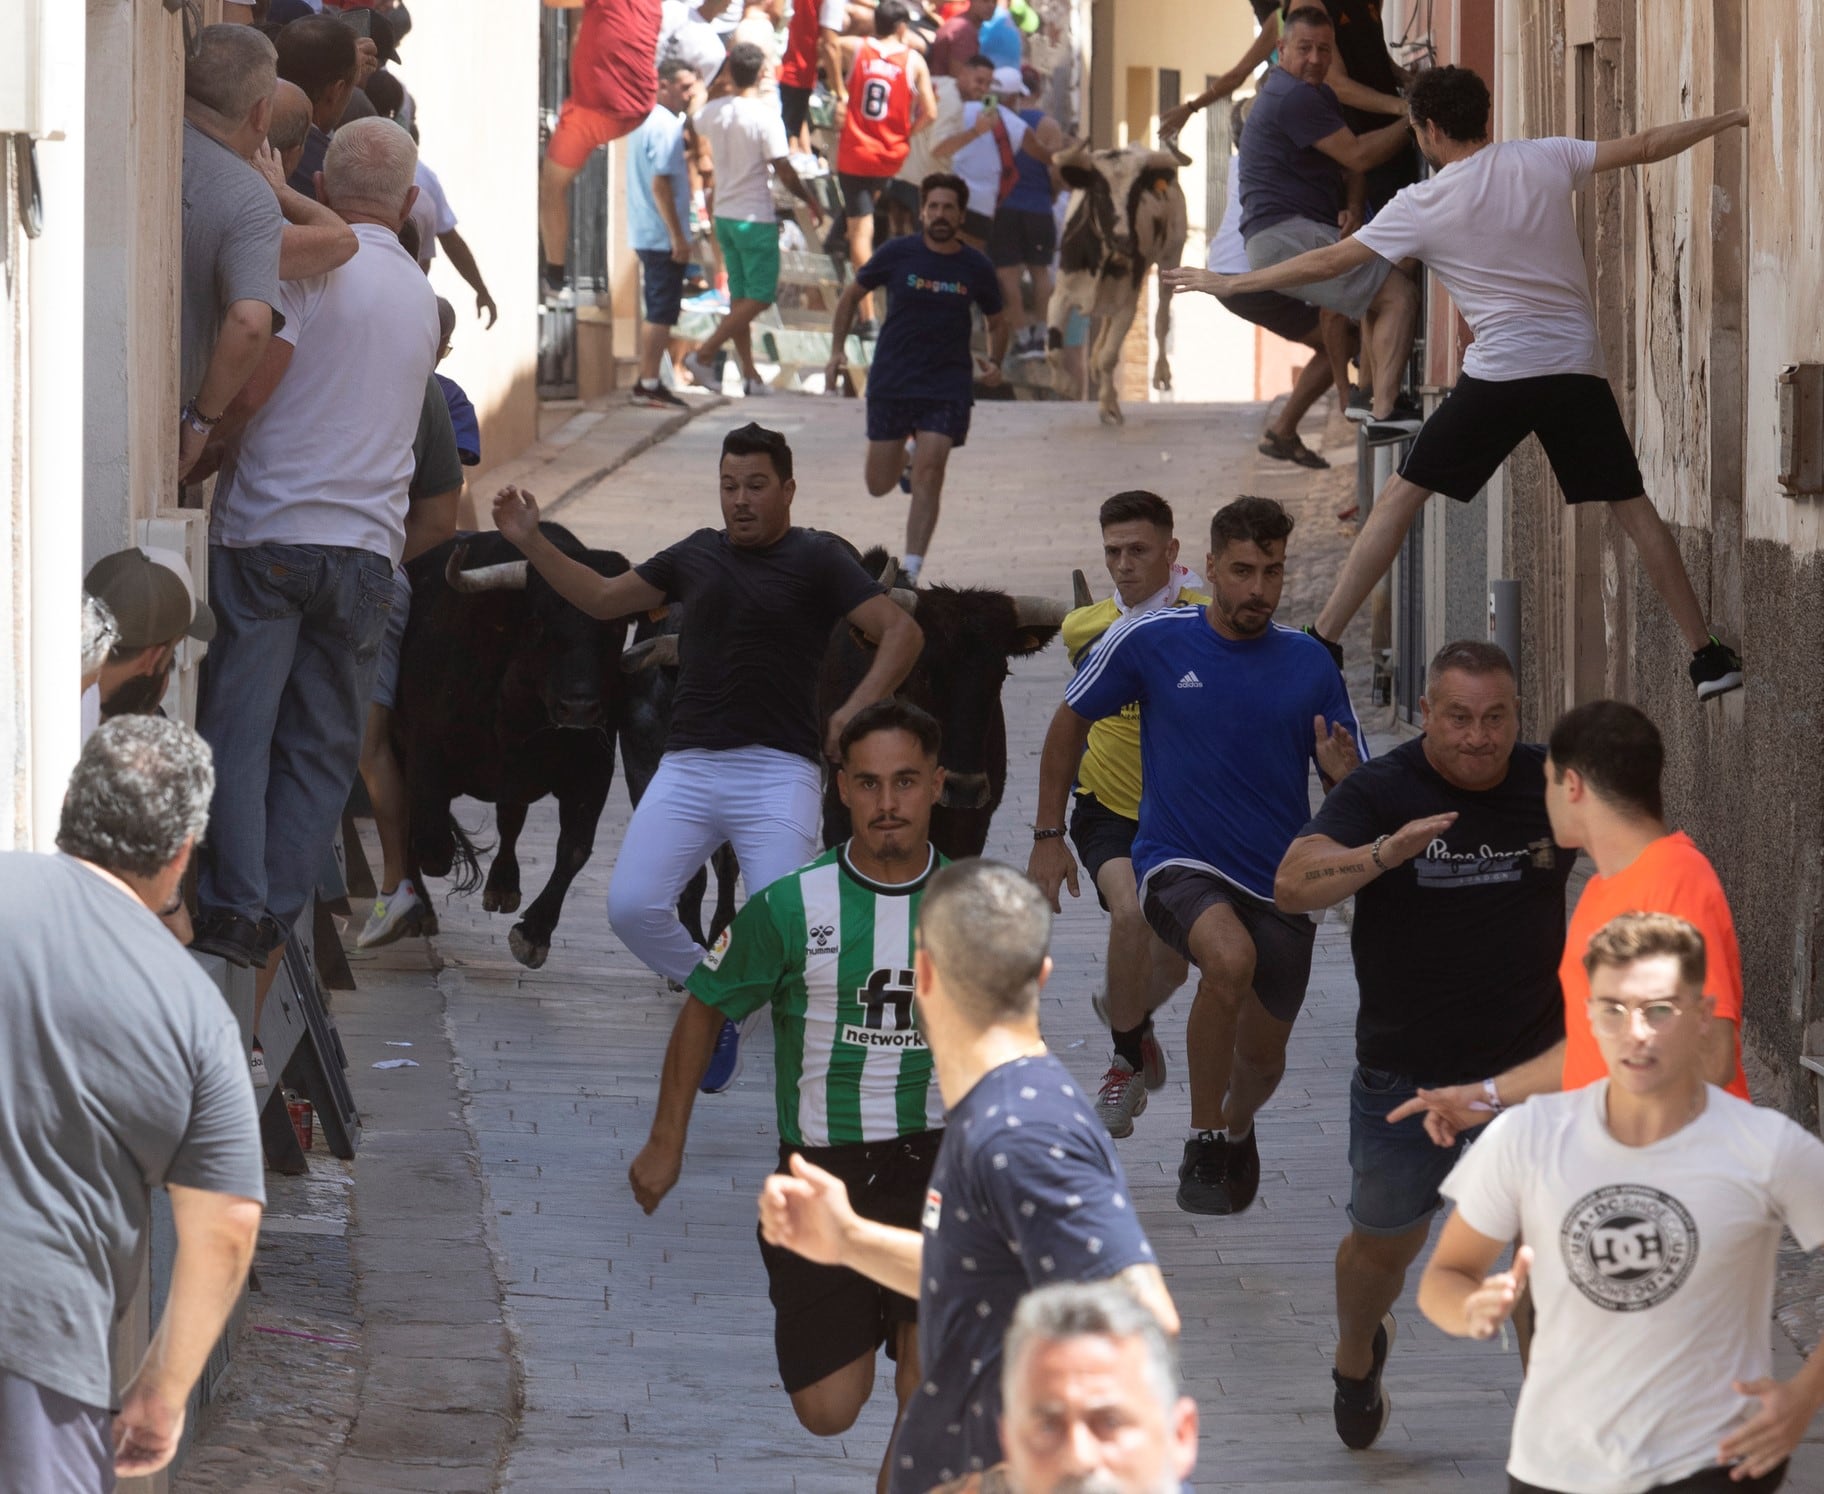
1232 708
155 608
830 949
921 383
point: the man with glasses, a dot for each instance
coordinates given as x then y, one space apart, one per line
1655 1203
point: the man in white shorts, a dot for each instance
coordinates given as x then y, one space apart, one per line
1653 1203
1495 224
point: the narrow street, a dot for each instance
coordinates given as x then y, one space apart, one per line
641 1348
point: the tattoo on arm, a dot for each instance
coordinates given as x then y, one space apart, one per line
1318 873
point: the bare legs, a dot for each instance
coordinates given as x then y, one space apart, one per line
1387 338
1313 379
1370 1273
654 340
1142 971
733 328
829 1407
386 792
1664 566
929 459
554 209
1237 1051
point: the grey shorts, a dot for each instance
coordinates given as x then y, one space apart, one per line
386 673
1348 293
52 1441
1173 898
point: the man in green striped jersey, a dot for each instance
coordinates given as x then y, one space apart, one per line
830 948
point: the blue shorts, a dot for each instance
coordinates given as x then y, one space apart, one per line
661 286
898 419
1397 1168
386 669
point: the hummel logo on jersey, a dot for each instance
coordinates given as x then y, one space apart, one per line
1190 681
820 941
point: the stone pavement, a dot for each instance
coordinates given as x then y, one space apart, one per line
645 1344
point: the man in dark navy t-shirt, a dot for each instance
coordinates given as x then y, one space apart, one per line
743 758
1458 931
922 377
1027 1190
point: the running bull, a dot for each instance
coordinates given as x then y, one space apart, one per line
507 693
1127 213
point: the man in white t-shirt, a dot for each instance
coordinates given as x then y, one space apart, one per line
746 139
1653 1203
1495 224
982 149
310 516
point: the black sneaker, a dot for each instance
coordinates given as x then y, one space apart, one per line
1359 406
1361 1406
1335 650
1401 423
234 938
1716 669
1200 1175
656 397
1242 1178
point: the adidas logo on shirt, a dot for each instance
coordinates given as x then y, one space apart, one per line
1190 681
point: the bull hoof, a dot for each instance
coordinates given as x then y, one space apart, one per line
500 900
532 956
1113 417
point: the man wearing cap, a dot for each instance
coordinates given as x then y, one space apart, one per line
149 593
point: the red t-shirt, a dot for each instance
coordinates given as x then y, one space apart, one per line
878 126
810 19
612 68
1670 876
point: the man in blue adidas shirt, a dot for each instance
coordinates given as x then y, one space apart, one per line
1233 708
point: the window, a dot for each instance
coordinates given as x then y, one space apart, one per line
1170 89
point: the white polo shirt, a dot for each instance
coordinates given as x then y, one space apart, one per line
328 458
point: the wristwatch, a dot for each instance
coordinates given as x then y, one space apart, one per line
1493 1096
197 421
1046 834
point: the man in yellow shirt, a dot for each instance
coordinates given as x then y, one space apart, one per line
1142 559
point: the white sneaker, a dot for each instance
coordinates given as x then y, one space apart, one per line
256 1066
756 388
393 914
702 372
1121 1097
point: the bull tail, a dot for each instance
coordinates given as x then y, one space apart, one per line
465 861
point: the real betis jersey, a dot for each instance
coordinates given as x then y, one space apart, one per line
831 950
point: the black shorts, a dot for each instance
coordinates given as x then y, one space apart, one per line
904 193
827 1316
1022 238
1100 836
978 225
1296 321
661 286
1713 1480
861 195
902 419
1175 897
1574 416
794 107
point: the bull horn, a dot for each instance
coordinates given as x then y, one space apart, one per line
1039 612
655 653
508 576
906 598
889 572
1079 589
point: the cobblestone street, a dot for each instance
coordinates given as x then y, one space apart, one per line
490 1199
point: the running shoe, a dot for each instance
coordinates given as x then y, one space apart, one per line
1359 406
725 1066
1401 423
1290 449
1201 1173
1242 1177
256 1068
395 915
1152 1051
655 396
1121 1097
1335 650
1716 669
1362 1407
709 378
756 388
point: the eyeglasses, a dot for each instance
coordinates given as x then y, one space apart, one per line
1614 1017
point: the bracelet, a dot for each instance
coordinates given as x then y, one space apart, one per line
1374 853
197 421
1494 1098
1052 834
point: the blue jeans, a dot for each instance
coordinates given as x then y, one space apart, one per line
284 701
1397 1168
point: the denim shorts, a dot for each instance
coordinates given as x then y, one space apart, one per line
386 670
661 287
1397 1168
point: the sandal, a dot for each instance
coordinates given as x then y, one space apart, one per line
1294 450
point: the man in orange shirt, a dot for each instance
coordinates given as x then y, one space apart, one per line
1602 793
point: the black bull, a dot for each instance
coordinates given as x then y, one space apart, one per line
971 635
506 693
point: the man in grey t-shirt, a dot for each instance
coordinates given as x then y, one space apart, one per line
233 228
121 1069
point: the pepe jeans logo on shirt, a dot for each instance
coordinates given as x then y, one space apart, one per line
821 940
1437 866
1628 1247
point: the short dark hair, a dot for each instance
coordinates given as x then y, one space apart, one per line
987 929
1136 504
140 789
889 16
745 60
1259 520
317 52
756 440
386 93
944 181
412 239
981 59
891 714
1644 936
1455 99
672 66
1307 15
1475 656
1617 749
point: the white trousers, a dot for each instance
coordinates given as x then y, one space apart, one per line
767 804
